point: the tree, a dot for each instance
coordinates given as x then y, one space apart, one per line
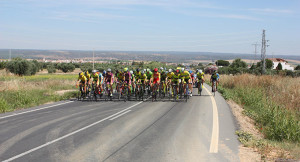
66 67
51 68
238 63
222 63
2 65
297 67
21 67
279 66
269 64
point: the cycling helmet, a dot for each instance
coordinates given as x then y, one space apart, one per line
177 71
87 73
142 72
155 70
131 72
200 71
94 71
161 68
81 74
182 69
163 72
117 71
125 69
148 70
104 72
108 70
137 70
170 70
191 71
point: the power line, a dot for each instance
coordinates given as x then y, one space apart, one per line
255 51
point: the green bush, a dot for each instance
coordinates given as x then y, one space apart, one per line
3 105
51 68
21 67
276 122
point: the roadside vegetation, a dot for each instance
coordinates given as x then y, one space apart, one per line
17 92
273 103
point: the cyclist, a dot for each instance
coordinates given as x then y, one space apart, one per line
109 80
142 79
127 78
169 78
175 80
120 80
82 81
192 77
186 79
214 77
155 79
96 80
132 80
163 80
88 77
200 77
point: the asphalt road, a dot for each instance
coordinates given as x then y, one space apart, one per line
201 129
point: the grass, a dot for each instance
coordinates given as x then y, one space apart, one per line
28 91
274 104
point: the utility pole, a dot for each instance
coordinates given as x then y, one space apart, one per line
263 51
93 59
255 51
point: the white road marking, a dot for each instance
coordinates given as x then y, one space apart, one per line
120 115
215 131
67 135
3 117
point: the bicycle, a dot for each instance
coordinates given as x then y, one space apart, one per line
175 93
199 86
154 92
109 93
81 94
214 87
94 91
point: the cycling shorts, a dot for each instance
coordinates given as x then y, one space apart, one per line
155 81
186 80
128 81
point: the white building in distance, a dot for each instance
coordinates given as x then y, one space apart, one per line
284 63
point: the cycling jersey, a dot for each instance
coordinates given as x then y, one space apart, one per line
214 77
163 76
95 76
132 77
88 77
143 77
137 75
176 77
170 75
156 77
120 76
127 76
149 74
185 75
200 75
82 78
109 77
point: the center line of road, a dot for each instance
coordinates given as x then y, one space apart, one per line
120 115
3 117
215 131
70 134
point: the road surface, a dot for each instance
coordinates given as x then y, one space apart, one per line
201 129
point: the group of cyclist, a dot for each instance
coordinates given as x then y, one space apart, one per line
144 77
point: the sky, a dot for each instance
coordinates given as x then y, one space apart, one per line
230 26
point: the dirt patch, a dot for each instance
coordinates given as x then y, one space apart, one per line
62 92
246 124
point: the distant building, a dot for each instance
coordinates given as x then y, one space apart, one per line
284 63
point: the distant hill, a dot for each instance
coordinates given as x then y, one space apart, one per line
162 56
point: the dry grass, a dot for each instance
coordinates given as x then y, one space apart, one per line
284 91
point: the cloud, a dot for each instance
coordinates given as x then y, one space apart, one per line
269 10
92 17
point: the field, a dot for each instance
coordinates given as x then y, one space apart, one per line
273 103
27 91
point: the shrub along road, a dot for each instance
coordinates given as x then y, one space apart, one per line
200 130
